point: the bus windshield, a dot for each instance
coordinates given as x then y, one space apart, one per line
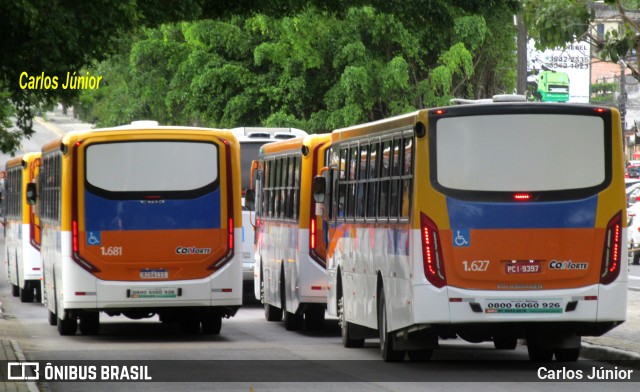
520 152
151 166
248 152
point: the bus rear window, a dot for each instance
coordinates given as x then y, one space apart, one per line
151 166
520 152
249 152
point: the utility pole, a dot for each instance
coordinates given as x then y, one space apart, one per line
622 100
522 55
622 105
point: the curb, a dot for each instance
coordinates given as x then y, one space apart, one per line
609 354
32 386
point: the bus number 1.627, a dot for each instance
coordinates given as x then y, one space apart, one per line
476 265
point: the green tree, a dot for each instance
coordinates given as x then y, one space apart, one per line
315 69
55 37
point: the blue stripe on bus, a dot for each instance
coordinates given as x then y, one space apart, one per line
523 215
199 213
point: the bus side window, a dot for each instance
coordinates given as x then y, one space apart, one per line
372 194
342 186
383 206
361 199
407 176
394 200
351 190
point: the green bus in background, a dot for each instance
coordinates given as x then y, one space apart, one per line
552 86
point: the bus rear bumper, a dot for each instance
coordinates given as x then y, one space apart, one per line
589 311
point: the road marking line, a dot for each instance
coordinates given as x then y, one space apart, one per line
49 126
634 277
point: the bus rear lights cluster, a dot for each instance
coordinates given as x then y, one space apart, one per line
432 252
612 250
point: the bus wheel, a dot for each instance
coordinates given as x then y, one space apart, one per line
420 355
89 323
38 294
567 354
314 317
505 343
292 321
53 318
345 328
211 324
190 325
26 294
271 313
539 354
389 352
67 326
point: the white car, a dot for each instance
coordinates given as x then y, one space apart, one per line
633 232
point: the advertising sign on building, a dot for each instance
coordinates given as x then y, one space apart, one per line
560 74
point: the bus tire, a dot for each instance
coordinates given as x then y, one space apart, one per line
190 325
68 326
567 354
89 323
271 313
505 343
38 292
53 318
420 355
314 317
211 324
292 321
345 328
26 294
15 289
539 354
387 343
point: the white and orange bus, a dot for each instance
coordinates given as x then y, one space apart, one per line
291 275
489 221
22 231
141 220
251 139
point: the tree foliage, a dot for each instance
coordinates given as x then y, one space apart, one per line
315 69
55 37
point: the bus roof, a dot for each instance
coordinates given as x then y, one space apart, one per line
294 144
134 126
27 157
264 133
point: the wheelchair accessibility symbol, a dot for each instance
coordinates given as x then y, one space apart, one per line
93 238
461 237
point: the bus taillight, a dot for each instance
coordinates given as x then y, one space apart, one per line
522 197
611 258
312 234
432 252
231 239
74 231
